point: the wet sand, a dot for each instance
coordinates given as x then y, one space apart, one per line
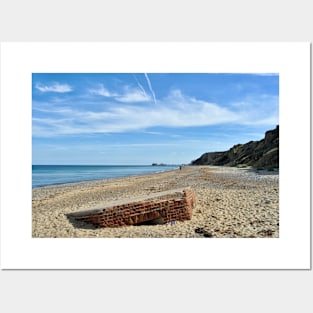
231 203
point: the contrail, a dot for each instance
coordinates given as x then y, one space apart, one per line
150 87
140 86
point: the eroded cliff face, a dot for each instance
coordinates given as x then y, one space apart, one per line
259 154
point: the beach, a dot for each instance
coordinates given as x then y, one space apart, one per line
231 203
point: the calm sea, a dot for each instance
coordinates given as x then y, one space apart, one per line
43 175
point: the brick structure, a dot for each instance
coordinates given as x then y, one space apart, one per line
168 206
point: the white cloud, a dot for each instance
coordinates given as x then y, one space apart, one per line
188 111
260 109
133 96
128 95
140 86
177 110
150 87
55 87
102 91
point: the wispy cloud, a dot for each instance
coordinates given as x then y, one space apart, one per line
133 95
140 86
102 91
55 87
127 94
150 87
177 110
259 109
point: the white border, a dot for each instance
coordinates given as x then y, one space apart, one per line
20 251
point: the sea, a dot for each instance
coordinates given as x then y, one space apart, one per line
45 175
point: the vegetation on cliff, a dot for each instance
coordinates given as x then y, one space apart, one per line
258 154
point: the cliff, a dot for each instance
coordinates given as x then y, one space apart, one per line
258 154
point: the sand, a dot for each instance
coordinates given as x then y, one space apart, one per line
231 203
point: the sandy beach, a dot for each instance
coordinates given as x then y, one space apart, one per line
231 203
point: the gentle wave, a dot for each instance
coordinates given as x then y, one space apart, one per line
44 175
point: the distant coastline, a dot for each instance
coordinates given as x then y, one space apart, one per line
163 164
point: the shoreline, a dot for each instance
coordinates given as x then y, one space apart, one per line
102 179
93 182
231 203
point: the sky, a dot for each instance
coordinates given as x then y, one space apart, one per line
145 118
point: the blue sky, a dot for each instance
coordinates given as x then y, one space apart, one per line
142 118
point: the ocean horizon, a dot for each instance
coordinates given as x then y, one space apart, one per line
46 175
